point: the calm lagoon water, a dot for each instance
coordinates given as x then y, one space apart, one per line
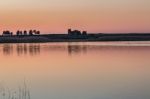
90 70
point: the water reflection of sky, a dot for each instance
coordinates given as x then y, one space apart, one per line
70 48
78 70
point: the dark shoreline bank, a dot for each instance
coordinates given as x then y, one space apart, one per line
44 38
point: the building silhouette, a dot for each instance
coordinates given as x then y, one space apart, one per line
76 32
84 33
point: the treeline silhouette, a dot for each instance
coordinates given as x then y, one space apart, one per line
70 49
21 33
21 49
35 36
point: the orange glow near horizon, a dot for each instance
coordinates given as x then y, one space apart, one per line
56 16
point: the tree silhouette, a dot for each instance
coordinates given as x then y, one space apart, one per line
30 32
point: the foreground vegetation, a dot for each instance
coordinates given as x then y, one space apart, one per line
21 92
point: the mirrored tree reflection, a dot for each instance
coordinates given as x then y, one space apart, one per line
36 49
21 49
76 49
68 48
7 49
31 49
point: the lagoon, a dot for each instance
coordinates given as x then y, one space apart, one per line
78 70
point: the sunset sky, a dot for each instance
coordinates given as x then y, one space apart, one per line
56 16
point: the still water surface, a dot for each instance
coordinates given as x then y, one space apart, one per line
102 70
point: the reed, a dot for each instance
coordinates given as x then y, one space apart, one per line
22 92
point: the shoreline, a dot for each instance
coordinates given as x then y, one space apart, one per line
45 38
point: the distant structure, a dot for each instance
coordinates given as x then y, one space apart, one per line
84 33
7 33
76 32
